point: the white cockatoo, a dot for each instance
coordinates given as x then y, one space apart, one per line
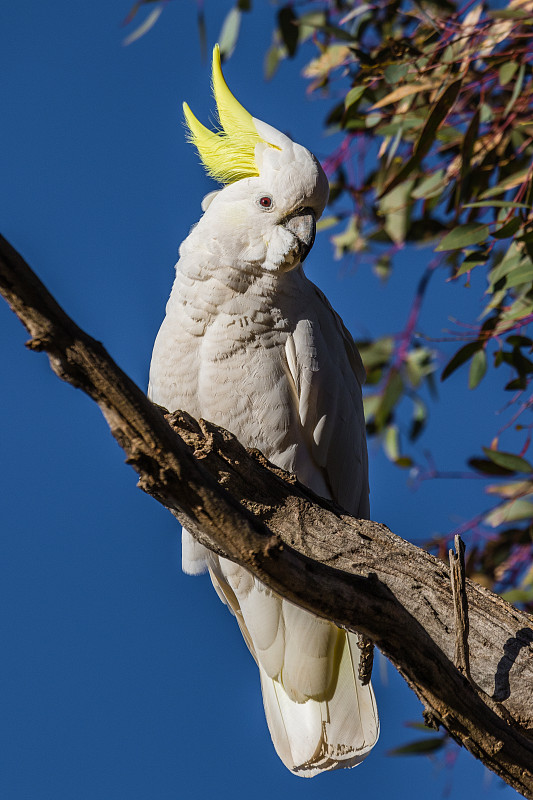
248 342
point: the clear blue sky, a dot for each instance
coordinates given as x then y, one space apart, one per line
120 677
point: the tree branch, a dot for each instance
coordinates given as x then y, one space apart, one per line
354 572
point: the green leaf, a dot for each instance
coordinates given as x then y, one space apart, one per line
420 747
147 25
428 186
510 261
309 22
527 238
376 353
332 30
273 56
419 364
508 229
516 90
487 467
469 142
509 182
463 236
419 726
395 72
349 240
508 461
391 395
371 120
515 596
229 33
327 222
396 208
522 274
404 461
478 368
436 117
512 511
486 114
383 267
472 259
506 72
462 355
496 301
370 405
288 26
512 489
495 204
418 420
353 96
510 13
391 442
519 341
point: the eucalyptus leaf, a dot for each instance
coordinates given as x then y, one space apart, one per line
353 96
508 229
516 90
422 147
464 235
472 259
506 72
495 204
288 26
464 354
273 56
515 596
429 184
229 33
478 368
391 442
509 461
522 274
392 393
512 511
395 72
420 747
515 179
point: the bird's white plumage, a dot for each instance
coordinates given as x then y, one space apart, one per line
248 342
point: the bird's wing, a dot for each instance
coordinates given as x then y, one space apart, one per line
327 373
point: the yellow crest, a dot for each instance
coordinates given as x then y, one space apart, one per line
229 153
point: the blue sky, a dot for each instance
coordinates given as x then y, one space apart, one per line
120 676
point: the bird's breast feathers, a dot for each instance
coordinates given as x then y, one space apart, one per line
269 361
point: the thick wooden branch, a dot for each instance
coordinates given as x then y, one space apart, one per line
354 572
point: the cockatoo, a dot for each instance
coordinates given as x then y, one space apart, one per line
248 342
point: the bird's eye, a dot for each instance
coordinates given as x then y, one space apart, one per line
265 201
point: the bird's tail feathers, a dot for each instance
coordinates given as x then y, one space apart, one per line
321 735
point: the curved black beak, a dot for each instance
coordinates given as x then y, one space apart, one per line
303 225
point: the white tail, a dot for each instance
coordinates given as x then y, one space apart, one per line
324 734
319 714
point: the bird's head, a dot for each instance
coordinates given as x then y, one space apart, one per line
274 189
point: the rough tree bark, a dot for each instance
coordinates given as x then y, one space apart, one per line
354 572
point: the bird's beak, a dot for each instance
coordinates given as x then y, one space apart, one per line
303 225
